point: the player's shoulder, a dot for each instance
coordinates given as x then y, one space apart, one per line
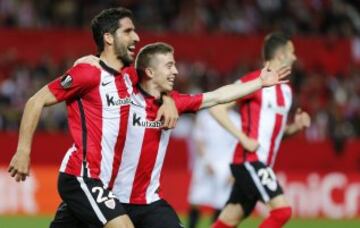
84 74
174 93
177 95
250 76
85 70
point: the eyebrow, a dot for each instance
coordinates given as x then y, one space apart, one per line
129 29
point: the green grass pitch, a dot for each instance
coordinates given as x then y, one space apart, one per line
43 222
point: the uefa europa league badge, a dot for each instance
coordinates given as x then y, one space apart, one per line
66 81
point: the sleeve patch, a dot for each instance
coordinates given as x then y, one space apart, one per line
66 81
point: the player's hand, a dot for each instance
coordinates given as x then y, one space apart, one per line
250 144
168 113
19 166
302 119
89 59
270 77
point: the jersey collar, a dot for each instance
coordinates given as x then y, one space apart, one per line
109 69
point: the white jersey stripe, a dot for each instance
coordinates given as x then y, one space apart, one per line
110 126
266 121
151 194
131 156
91 200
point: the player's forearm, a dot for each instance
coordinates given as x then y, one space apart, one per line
221 115
28 125
290 130
31 116
230 93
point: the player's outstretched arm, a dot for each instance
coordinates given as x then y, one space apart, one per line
221 115
235 91
20 162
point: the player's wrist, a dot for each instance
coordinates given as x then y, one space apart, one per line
23 150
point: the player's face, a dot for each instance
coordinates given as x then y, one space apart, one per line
289 54
164 71
125 39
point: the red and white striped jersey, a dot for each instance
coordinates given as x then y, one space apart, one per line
115 136
263 117
138 179
98 103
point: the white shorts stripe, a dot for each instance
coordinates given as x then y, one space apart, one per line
91 200
257 182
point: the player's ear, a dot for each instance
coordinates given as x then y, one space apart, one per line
149 72
108 38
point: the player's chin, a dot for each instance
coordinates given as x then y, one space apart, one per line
168 88
131 55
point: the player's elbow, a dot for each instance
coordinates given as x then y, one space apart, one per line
37 100
34 101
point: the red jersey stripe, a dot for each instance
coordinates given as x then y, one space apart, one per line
145 166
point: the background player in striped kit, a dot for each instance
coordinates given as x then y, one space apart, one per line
93 97
264 122
211 179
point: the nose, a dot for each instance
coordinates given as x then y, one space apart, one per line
175 71
136 37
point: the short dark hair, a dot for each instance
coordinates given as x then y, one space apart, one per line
107 21
272 42
145 54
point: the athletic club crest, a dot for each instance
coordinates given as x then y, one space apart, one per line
66 81
110 203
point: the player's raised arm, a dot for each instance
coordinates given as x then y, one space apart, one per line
235 91
20 162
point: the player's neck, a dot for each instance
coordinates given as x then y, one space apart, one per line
150 88
111 60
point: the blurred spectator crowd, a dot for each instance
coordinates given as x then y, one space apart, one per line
332 100
335 17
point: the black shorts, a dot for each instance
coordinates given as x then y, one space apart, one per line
158 214
253 181
85 201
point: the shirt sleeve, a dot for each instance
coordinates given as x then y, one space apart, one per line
244 79
186 102
75 82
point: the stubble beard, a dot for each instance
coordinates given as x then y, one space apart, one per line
122 54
